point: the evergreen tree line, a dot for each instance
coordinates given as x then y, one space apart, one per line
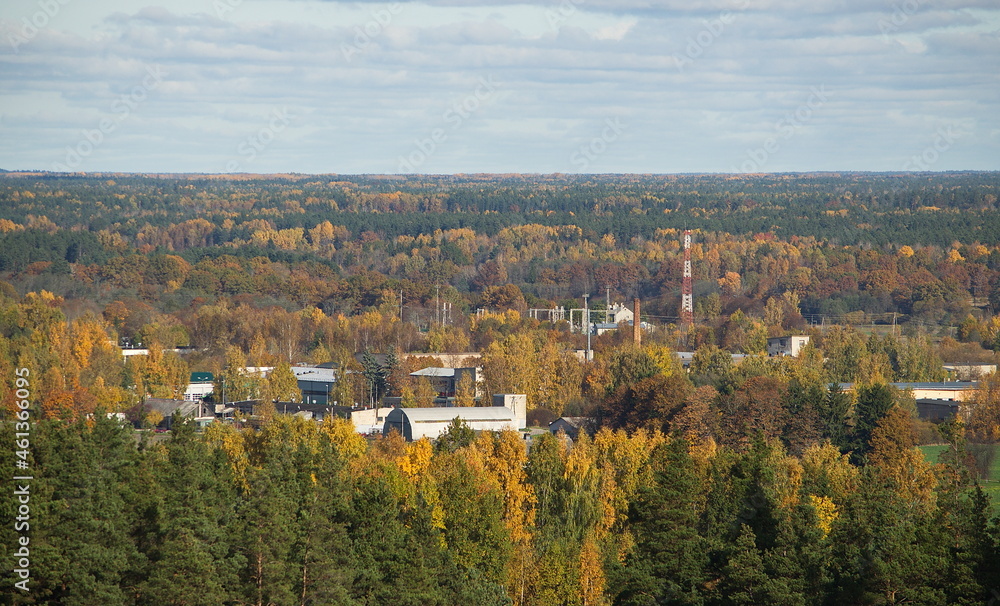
305 513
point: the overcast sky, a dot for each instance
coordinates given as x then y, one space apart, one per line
447 86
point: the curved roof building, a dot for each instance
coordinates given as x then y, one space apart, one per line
416 423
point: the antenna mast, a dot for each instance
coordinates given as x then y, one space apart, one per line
687 292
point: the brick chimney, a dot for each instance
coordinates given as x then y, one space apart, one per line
636 323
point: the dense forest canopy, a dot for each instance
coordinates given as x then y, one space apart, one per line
877 243
738 480
302 513
843 208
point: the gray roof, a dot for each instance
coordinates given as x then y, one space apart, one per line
948 386
577 422
942 386
315 373
166 407
444 414
433 371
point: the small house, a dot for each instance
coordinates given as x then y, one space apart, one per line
786 346
571 426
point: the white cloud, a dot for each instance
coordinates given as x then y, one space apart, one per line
698 83
616 31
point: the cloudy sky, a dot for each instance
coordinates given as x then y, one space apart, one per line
446 86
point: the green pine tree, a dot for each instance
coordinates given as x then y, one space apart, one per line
745 581
670 561
874 402
82 513
188 534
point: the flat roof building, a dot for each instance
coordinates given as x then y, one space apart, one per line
786 346
445 381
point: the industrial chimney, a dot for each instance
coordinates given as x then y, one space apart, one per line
636 323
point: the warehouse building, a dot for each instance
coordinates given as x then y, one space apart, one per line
508 412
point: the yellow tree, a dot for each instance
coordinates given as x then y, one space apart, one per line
731 283
983 412
235 383
547 379
415 463
896 458
465 391
280 385
504 457
623 462
774 315
408 397
828 473
230 440
665 358
109 398
159 374
424 394
87 333
511 365
346 441
581 476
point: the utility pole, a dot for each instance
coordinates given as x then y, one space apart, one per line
437 303
607 304
586 312
400 304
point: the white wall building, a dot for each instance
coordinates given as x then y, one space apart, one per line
417 423
369 420
198 391
619 314
786 346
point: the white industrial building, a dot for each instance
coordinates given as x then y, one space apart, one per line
200 385
315 382
370 420
619 314
445 381
786 346
509 412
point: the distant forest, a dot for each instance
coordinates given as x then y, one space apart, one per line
739 480
876 243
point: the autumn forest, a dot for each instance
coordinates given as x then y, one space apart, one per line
731 479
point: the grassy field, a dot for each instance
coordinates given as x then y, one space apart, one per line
932 452
990 484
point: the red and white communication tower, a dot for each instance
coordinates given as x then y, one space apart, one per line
687 293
